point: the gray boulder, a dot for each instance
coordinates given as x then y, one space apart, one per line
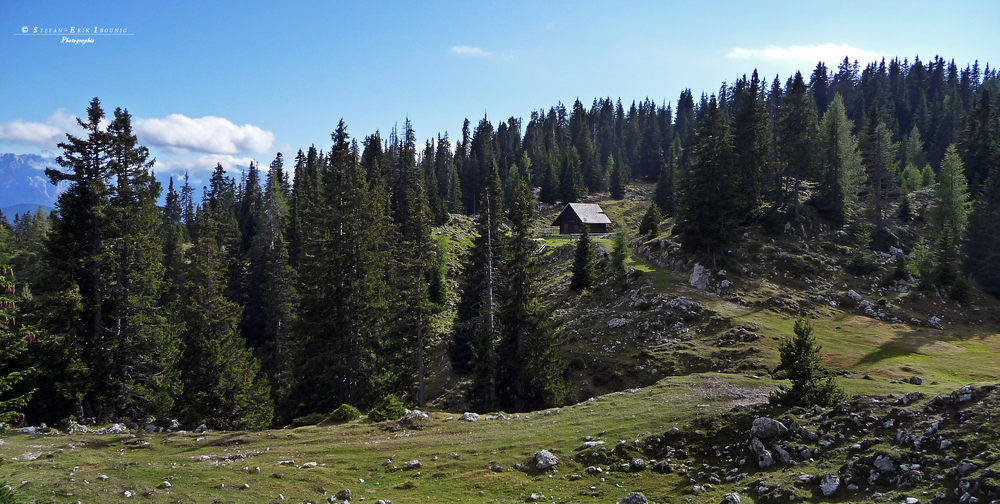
764 458
884 464
766 428
699 277
469 417
731 498
829 483
635 498
344 495
544 459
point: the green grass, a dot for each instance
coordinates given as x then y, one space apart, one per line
210 467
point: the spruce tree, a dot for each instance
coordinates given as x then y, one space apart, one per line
800 363
651 220
530 370
223 387
796 138
878 154
14 337
707 214
618 179
571 187
619 254
583 262
982 248
841 171
477 325
752 141
951 199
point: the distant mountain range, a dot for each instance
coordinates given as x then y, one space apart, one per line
23 182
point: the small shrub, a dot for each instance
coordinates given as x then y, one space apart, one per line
389 408
882 301
310 419
345 413
800 363
960 290
651 220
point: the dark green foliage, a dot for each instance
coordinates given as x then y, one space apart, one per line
707 215
223 386
946 258
345 413
960 290
618 178
343 288
906 208
664 196
389 407
310 419
923 267
982 248
899 273
619 254
861 262
651 220
530 371
800 363
752 140
14 337
571 187
549 192
878 153
583 261
797 138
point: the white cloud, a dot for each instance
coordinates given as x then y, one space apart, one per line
214 135
472 52
829 53
46 134
38 134
197 166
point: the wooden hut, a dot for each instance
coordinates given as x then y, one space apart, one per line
577 214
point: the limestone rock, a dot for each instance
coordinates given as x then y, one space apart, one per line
469 417
699 277
764 458
544 459
766 428
884 464
829 483
635 498
731 498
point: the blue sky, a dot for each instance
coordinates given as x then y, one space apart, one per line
229 82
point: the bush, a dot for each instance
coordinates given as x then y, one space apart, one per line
960 290
310 419
811 384
389 408
651 221
345 413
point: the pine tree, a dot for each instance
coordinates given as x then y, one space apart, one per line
651 220
951 200
664 195
223 386
800 363
571 187
14 337
344 291
618 178
530 370
707 213
583 262
878 154
797 137
842 173
477 325
619 254
752 141
982 249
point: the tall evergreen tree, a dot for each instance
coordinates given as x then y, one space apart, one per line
707 214
583 262
571 187
982 249
222 383
951 200
530 371
14 336
841 172
477 326
797 137
878 155
618 179
752 142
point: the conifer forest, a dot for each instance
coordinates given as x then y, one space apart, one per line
321 279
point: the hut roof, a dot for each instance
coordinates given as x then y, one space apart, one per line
588 213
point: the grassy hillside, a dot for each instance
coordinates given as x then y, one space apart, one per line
644 354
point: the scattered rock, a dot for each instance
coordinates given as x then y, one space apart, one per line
699 277
309 464
916 380
635 498
884 464
200 429
344 495
165 484
829 483
766 428
544 459
673 431
413 464
731 498
591 444
764 458
469 417
616 323
128 494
